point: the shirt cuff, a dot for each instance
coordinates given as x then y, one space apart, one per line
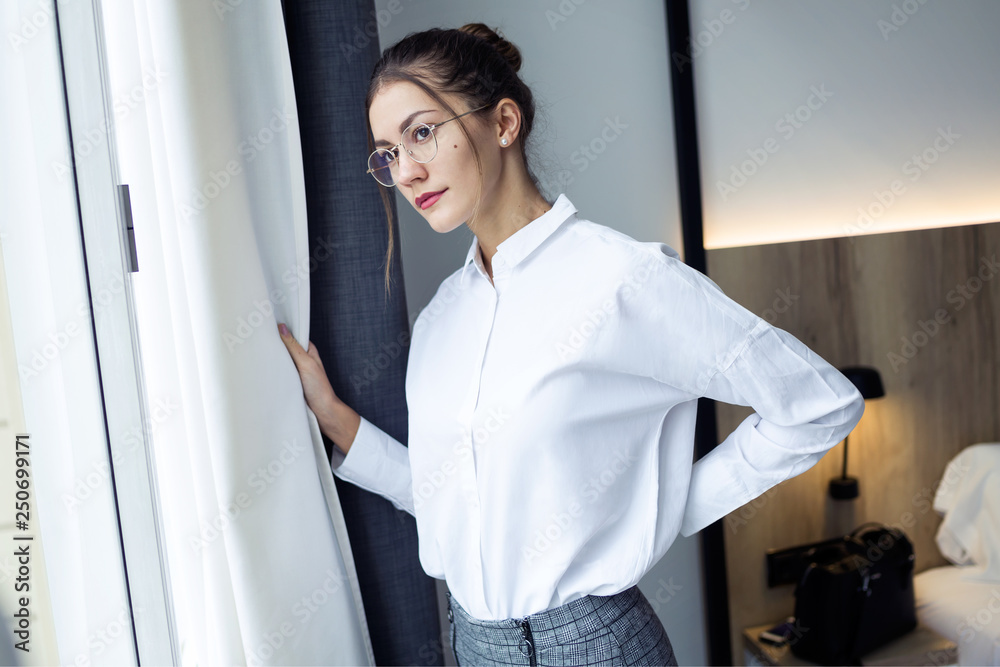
723 480
714 491
354 462
377 463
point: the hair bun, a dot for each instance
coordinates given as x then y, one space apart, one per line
510 52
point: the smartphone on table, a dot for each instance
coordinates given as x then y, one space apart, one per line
779 634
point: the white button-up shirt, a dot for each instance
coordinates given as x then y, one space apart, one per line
552 416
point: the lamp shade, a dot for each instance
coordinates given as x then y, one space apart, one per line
866 379
869 384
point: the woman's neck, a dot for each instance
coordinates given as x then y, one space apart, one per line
510 210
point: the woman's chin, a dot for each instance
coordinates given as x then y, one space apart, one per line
443 229
440 221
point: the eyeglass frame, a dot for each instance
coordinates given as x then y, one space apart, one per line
408 154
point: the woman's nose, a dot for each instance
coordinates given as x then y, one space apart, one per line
409 169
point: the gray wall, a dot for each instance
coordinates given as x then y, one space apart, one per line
854 117
587 62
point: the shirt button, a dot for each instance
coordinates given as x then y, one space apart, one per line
451 616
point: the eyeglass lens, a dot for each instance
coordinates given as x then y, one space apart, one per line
419 143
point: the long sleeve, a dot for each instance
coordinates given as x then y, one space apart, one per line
803 407
679 328
378 463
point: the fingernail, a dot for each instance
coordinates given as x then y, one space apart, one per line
283 329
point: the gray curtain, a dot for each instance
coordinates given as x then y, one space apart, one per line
362 336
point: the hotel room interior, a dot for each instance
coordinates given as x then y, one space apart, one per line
181 175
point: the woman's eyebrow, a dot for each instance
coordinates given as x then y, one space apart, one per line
402 126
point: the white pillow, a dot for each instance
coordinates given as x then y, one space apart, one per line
969 498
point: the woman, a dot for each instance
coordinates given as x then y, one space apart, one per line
552 385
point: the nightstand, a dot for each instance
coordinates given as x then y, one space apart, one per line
923 646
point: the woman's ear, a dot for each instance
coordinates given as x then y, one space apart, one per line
508 121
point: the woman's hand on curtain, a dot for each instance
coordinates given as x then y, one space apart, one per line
315 384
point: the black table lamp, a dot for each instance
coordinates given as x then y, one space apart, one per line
869 383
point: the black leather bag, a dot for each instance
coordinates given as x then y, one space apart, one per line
855 596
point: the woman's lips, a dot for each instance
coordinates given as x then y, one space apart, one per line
426 201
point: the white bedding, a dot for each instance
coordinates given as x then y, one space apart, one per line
964 610
969 498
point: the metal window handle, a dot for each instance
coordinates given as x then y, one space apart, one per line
126 204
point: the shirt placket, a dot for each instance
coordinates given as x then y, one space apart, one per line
468 481
468 410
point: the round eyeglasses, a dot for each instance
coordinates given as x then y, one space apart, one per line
420 144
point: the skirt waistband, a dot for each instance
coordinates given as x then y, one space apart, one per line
572 621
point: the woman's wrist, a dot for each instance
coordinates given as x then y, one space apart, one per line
340 423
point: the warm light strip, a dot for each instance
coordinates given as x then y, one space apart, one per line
762 235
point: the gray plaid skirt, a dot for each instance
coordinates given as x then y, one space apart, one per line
619 629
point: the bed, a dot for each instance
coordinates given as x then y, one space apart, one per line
962 601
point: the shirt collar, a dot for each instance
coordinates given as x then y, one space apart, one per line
523 242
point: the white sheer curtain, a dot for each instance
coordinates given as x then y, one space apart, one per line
206 134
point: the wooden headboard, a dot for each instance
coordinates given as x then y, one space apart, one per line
923 307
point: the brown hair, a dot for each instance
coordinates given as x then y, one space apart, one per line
472 62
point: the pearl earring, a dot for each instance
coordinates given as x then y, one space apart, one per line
503 141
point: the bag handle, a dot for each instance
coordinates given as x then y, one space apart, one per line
895 532
876 524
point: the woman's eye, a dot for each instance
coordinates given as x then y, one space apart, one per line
421 134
